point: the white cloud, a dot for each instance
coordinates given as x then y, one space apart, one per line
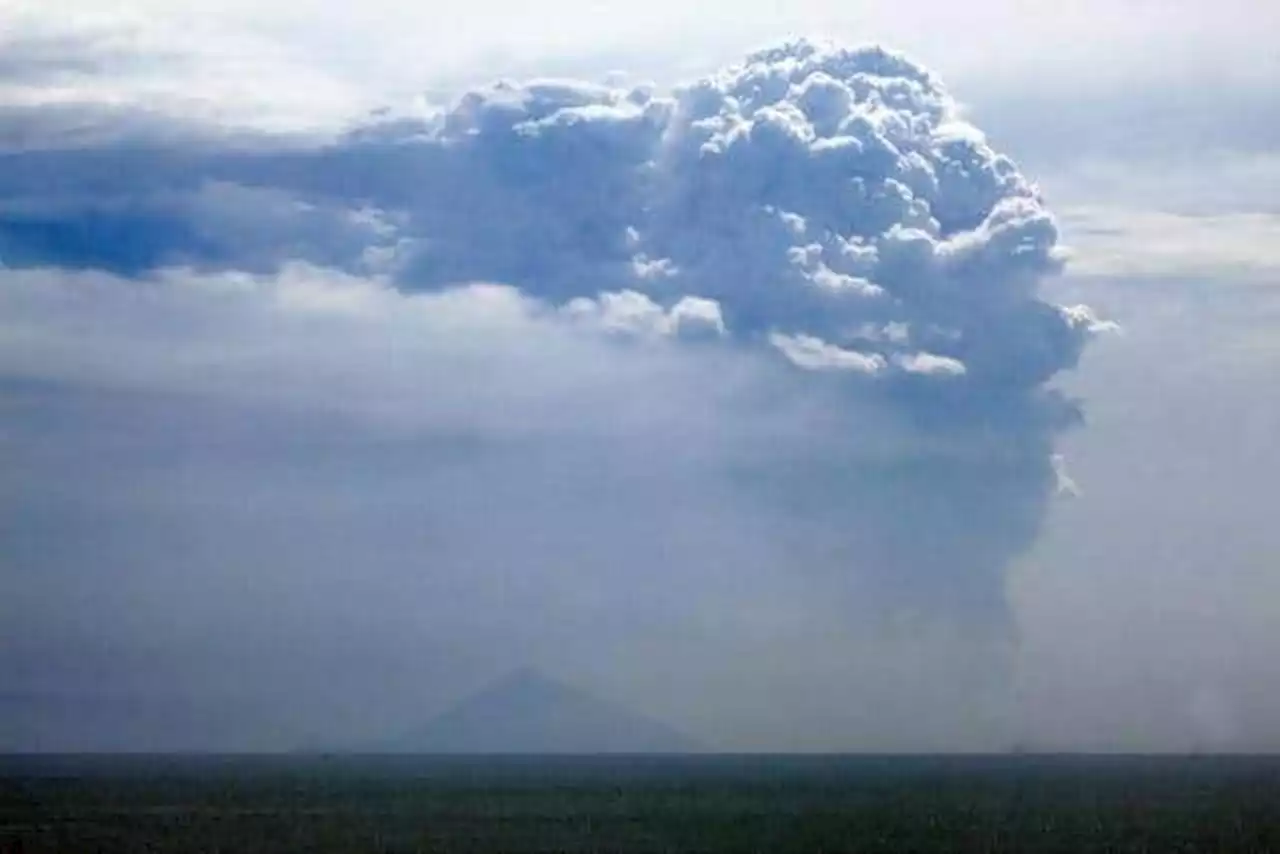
169 62
634 313
929 364
392 46
315 340
814 354
1152 244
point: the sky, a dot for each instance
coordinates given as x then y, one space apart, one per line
881 378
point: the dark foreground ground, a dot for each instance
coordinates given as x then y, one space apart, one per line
715 803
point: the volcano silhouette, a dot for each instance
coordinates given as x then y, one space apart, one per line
527 712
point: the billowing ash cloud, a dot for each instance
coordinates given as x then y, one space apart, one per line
830 201
828 206
752 370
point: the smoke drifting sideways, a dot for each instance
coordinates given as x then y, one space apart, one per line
831 201
772 341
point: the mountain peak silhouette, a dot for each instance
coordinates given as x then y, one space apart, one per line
527 711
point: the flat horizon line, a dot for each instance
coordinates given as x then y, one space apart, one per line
701 754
